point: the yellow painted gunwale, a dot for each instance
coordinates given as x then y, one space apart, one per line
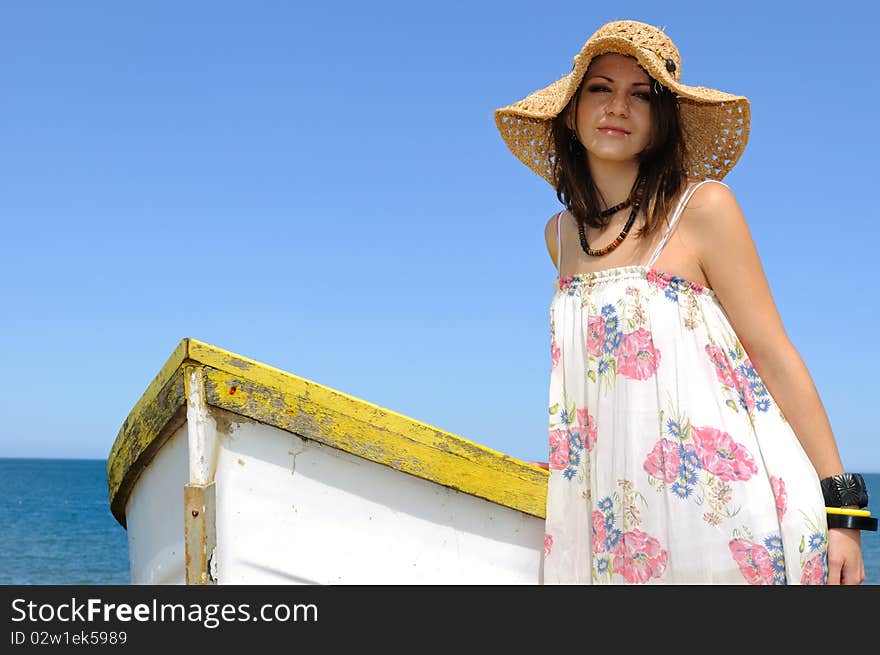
313 411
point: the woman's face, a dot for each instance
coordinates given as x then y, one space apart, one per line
614 109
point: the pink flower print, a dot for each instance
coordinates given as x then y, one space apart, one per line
753 561
639 557
599 534
779 494
558 449
595 335
745 389
722 456
657 279
565 282
637 357
586 428
554 354
722 366
663 462
814 570
548 543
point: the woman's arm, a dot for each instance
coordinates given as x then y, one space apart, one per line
730 261
720 235
552 239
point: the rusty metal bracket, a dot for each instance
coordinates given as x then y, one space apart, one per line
200 533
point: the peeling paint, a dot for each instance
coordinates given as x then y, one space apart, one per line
295 453
212 566
224 423
239 363
201 429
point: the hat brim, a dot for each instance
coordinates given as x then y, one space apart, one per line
715 123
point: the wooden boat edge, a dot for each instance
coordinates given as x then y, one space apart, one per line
313 411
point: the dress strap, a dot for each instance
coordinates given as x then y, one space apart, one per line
688 192
559 241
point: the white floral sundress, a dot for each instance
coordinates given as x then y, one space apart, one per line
670 462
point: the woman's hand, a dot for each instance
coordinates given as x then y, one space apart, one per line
543 465
845 564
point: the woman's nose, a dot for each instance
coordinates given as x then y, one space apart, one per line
618 104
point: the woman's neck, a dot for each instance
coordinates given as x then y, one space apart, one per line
614 180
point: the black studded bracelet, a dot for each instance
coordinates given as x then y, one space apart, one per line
844 489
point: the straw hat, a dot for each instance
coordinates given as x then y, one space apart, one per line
715 123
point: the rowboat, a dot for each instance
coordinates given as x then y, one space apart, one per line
230 471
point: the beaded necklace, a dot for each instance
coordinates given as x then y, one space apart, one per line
635 199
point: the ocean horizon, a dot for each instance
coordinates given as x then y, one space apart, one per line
59 529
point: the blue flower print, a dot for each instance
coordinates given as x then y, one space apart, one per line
773 542
687 475
681 490
611 539
612 342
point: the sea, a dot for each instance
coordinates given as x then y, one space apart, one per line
56 527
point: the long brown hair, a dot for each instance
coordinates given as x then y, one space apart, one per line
662 163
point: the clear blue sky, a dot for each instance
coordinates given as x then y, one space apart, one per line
321 187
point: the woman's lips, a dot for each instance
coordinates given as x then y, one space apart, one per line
613 131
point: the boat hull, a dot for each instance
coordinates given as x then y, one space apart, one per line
229 473
293 512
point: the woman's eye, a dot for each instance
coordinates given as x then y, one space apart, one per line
601 88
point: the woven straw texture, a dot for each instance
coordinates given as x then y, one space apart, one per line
715 123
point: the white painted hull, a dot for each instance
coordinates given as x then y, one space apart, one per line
290 512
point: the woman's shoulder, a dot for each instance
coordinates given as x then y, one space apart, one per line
551 236
711 216
710 196
710 202
551 226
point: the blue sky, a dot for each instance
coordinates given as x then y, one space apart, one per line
322 188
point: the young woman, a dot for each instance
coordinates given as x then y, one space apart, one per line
688 443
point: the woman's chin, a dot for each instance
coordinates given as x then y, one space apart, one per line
613 156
